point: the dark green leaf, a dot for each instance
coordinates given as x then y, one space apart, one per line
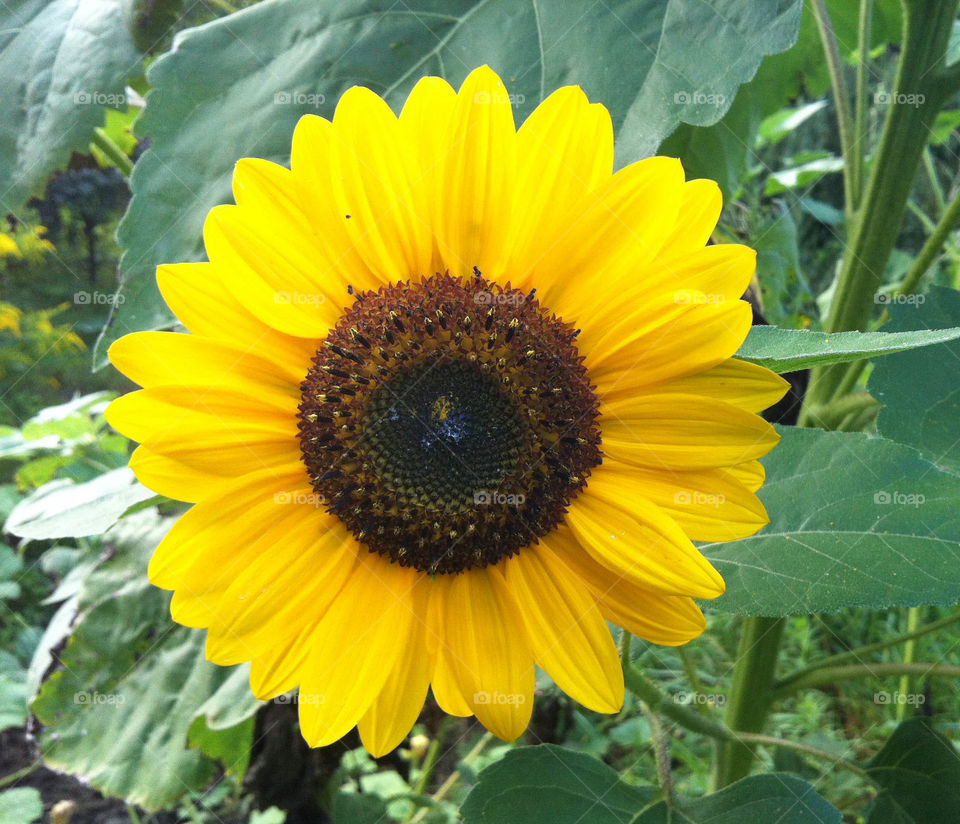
774 797
787 350
919 770
237 87
552 785
62 62
921 390
854 521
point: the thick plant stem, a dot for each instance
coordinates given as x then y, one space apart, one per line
841 98
750 696
859 144
922 85
828 675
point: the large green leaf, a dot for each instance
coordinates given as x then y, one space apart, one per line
21 805
854 521
552 785
129 684
921 390
236 87
787 350
64 509
919 770
774 797
61 63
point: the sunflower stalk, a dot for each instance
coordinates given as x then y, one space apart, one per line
923 83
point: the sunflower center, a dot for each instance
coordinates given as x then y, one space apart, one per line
448 422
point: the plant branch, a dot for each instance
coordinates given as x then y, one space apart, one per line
117 156
829 675
860 136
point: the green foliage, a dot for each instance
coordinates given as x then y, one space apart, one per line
62 63
21 805
844 513
787 350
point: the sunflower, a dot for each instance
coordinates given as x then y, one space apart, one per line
455 395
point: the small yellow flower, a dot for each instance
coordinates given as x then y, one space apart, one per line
455 395
8 247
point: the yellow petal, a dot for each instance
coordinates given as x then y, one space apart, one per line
743 384
197 295
665 342
374 167
473 208
751 474
395 710
357 644
700 206
488 649
636 539
663 619
569 637
565 155
664 430
171 478
709 504
172 359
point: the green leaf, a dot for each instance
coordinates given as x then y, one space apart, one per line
802 175
64 509
21 805
919 770
230 746
10 566
761 798
62 62
921 390
354 808
787 350
552 785
129 684
854 521
237 86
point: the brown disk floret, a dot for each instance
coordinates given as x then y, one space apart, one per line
448 422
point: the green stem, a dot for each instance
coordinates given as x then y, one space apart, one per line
661 751
909 650
132 814
922 85
842 101
105 144
831 415
454 777
223 5
861 136
858 653
22 773
661 703
949 221
931 168
772 741
828 675
750 695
